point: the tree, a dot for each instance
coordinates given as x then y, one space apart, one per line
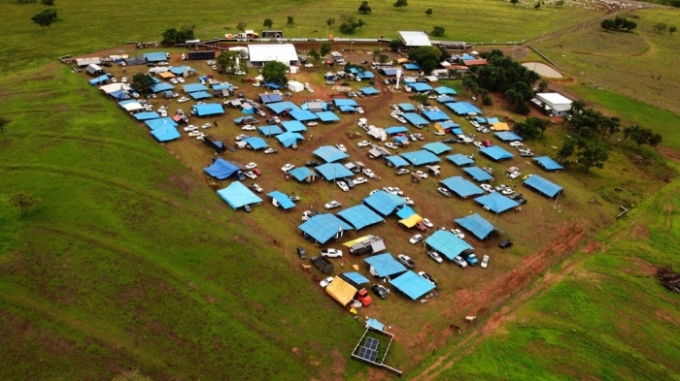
660 28
429 12
514 2
486 99
426 57
376 54
24 201
537 6
542 86
45 18
142 82
241 26
330 22
347 27
314 54
383 58
173 36
567 150
227 60
395 45
577 106
268 23
420 98
3 123
49 3
291 20
672 29
325 48
438 31
275 71
364 8
400 3
592 155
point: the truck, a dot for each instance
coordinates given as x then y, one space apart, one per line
214 144
322 264
201 55
371 245
364 297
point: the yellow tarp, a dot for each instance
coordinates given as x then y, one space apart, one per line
402 60
355 241
501 126
341 291
439 127
411 221
166 75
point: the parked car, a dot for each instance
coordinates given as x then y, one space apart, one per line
505 244
415 239
444 192
368 173
427 223
301 252
458 233
343 186
256 188
428 277
363 143
500 187
406 261
471 258
507 191
485 262
324 283
516 143
435 256
439 133
449 140
421 174
421 226
307 214
341 147
251 165
401 171
287 167
478 144
487 187
190 128
359 180
333 204
240 137
487 143
409 200
294 198
309 64
248 127
247 208
270 150
331 253
380 290
394 190
518 198
250 175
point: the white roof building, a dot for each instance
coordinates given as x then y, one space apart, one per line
414 39
555 104
263 53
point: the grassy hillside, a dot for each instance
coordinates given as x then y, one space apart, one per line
131 262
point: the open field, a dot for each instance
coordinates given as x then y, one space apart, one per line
83 29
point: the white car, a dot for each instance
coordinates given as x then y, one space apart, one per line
478 144
368 173
287 168
427 223
183 99
458 233
190 128
252 165
501 187
435 256
359 180
421 174
248 127
258 189
200 137
514 175
359 110
310 124
333 204
341 147
408 200
460 261
324 283
173 81
306 215
485 262
391 145
270 151
439 133
444 192
240 137
415 239
363 143
507 191
343 186
250 175
309 64
207 125
393 190
331 253
180 79
278 120
487 187
516 143
194 134
373 191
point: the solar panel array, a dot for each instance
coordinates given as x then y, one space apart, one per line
372 343
369 351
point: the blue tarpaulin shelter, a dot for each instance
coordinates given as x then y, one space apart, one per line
123 103
99 80
270 98
288 139
375 324
508 136
397 161
544 186
256 143
208 109
447 243
448 125
155 56
492 120
330 154
302 173
327 116
280 107
360 216
369 90
383 202
247 109
446 99
315 107
477 225
384 265
346 109
165 133
548 164
460 160
395 130
147 115
193 87
293 126
323 227
437 148
345 102
478 174
332 171
180 70
366 75
401 139
405 212
421 157
200 95
270 130
390 72
406 107
463 108
457 131
420 87
238 195
411 66
221 169
303 115
272 85
496 153
462 187
283 200
415 119
160 122
221 86
445 90
160 87
412 285
436 116
355 277
481 120
496 202
119 94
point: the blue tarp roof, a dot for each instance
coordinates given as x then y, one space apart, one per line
165 133
411 66
179 70
407 107
492 120
437 148
396 130
548 164
301 173
293 126
284 200
200 95
99 80
480 120
356 277
397 161
345 102
405 212
346 109
478 174
280 107
160 122
457 131
238 195
123 103
508 136
221 169
385 265
401 139
375 324
436 116
460 160
383 202
366 75
447 243
476 225
544 186
120 94
155 57
256 143
305 106
421 157
330 154
147 115
270 130
415 119
445 90
496 202
247 109
270 98
332 171
390 72
412 285
463 108
303 115
496 153
287 139
208 109
327 116
272 85
447 124
360 216
467 57
369 90
160 87
462 187
446 99
221 86
323 227
420 87
192 87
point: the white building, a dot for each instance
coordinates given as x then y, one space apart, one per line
263 53
413 39
555 104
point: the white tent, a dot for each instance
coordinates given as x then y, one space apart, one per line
113 87
295 86
133 106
